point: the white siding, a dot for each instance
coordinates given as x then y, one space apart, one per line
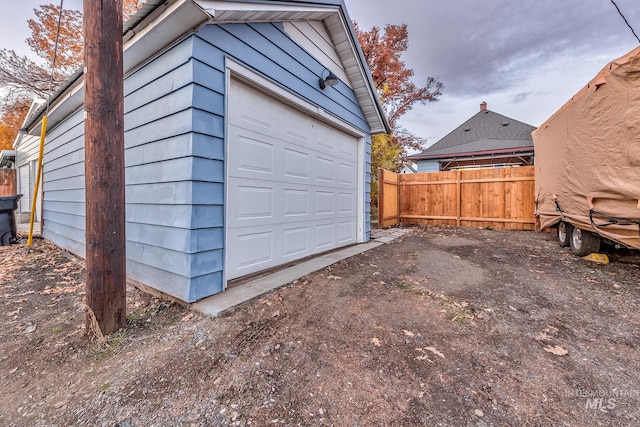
27 149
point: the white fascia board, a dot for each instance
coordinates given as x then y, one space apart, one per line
63 105
278 11
166 24
35 105
358 72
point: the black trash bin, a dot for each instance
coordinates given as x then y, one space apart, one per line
8 229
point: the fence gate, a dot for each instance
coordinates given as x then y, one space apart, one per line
498 198
7 182
388 198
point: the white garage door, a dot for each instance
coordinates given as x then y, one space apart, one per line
25 187
292 184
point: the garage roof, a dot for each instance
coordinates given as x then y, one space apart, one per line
160 22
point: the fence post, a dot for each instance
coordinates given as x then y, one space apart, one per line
458 198
399 205
380 197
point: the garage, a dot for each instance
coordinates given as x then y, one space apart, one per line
248 132
292 183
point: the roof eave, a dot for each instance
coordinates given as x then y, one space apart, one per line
449 156
161 22
337 21
155 26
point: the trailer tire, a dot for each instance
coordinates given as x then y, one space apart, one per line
563 234
583 242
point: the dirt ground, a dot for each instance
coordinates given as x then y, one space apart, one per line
445 327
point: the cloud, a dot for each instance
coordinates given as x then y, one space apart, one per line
520 97
481 47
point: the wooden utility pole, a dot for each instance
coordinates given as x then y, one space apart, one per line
104 164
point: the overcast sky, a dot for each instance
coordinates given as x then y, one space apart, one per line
525 58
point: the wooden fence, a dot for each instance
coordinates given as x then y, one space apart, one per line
7 182
499 198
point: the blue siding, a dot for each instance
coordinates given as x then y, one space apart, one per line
63 184
175 153
172 176
367 186
428 166
266 48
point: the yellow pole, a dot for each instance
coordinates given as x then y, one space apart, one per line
43 133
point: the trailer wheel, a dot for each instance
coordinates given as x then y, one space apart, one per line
563 234
584 243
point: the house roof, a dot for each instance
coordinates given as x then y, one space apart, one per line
484 133
410 166
7 158
32 114
160 22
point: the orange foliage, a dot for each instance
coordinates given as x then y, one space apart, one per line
22 79
70 40
130 7
11 121
398 94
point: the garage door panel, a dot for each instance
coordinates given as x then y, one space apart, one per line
296 164
325 203
296 202
296 241
254 124
297 139
263 200
291 185
324 168
255 249
346 232
258 157
254 202
324 236
347 175
347 203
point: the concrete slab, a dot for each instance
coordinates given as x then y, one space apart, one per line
23 228
219 304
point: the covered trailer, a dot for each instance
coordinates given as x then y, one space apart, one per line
588 162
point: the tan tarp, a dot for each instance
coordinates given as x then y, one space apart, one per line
588 156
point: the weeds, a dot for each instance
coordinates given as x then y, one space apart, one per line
133 317
111 345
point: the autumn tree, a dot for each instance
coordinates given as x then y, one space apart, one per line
130 7
10 121
398 94
70 41
22 79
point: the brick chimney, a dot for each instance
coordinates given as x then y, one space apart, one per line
483 106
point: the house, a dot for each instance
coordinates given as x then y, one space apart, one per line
7 159
409 167
27 148
247 141
486 140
